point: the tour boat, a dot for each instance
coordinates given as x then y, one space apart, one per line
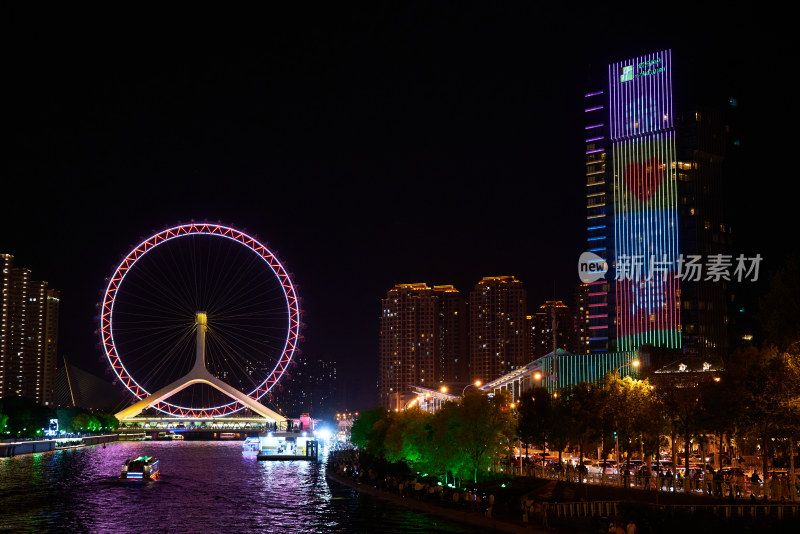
141 468
251 446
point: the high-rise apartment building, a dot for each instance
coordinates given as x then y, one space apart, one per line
582 343
497 331
408 342
540 329
312 389
423 340
654 198
28 335
453 332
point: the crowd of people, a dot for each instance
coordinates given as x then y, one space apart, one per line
345 463
730 483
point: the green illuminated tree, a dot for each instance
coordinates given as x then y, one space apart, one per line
407 438
482 427
369 430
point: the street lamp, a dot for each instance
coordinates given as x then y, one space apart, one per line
443 389
477 384
634 363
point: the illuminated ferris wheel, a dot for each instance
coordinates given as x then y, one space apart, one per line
199 320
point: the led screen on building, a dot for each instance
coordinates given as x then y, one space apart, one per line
645 202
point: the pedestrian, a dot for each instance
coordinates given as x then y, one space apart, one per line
631 527
755 483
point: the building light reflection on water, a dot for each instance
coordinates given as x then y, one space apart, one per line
204 487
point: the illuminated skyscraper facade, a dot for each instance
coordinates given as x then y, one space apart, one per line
597 321
28 335
654 186
643 150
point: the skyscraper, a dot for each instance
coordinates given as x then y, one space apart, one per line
423 340
453 333
408 342
28 335
497 331
599 321
654 196
540 329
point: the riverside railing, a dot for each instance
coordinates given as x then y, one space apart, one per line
770 489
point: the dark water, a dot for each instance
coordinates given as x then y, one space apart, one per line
205 487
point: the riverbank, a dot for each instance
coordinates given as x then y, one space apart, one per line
461 516
15 448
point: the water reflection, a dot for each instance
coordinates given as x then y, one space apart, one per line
205 486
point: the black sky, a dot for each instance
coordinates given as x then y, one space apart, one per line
369 147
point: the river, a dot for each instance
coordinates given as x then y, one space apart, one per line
205 487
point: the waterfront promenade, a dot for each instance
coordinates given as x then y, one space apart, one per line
15 447
535 503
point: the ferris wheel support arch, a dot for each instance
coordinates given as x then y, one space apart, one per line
199 375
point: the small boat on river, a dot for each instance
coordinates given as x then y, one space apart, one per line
141 468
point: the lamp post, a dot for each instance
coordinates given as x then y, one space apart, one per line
633 363
477 384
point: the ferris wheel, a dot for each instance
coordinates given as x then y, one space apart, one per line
199 320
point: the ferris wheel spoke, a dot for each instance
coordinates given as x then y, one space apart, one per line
163 288
169 365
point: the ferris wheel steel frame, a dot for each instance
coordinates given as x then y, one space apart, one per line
115 282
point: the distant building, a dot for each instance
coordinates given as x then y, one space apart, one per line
408 342
423 340
540 329
582 342
453 332
497 332
28 335
311 389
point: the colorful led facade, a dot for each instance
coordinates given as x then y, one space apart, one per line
576 368
642 134
595 321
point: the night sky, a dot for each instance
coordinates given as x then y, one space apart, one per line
368 146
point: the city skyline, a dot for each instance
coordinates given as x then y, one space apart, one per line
416 161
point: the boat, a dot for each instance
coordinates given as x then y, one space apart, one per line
141 468
283 446
251 446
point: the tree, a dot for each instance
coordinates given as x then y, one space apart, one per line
26 418
780 308
584 403
635 412
369 430
483 428
768 383
535 419
407 437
